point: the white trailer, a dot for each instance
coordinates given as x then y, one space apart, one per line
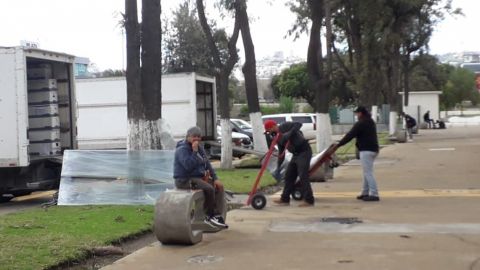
37 116
188 99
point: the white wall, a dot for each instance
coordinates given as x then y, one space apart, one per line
102 109
421 102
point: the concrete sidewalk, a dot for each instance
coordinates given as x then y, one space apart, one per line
428 218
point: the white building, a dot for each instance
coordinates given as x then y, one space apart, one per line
421 102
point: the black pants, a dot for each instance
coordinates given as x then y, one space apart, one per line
298 167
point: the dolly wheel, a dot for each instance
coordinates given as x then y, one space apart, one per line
259 201
297 195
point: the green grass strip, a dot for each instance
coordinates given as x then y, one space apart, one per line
41 238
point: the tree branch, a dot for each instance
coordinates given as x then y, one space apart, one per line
208 34
232 47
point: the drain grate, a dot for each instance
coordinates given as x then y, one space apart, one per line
341 220
204 259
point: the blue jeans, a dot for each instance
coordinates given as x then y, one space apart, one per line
369 184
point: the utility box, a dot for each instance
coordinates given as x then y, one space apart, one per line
188 99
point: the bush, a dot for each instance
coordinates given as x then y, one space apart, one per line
287 105
244 111
269 110
307 109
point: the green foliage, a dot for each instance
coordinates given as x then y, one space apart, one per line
427 74
185 47
292 82
244 111
287 105
269 110
459 87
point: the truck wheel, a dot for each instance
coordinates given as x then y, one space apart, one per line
259 201
4 199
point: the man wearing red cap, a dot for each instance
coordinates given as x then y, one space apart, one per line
291 138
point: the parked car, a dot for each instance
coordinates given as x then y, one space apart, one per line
242 126
238 140
307 119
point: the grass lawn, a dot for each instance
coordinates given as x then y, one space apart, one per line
39 238
42 238
241 180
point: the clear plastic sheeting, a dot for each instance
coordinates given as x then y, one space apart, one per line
115 176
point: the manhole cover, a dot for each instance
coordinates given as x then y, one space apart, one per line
341 220
204 259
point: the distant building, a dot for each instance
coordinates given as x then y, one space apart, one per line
81 67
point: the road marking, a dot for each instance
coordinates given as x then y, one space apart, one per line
442 149
325 227
35 195
414 193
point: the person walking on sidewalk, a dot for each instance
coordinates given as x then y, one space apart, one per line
365 132
292 139
192 170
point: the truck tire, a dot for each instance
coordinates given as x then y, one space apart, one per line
4 199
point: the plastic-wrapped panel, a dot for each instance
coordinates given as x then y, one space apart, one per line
115 176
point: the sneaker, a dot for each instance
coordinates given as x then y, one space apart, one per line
371 198
280 202
361 197
218 222
220 219
209 223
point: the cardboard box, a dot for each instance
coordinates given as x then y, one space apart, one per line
44 122
44 135
40 72
45 149
39 97
43 110
42 84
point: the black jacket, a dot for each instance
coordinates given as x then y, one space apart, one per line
365 131
292 139
411 122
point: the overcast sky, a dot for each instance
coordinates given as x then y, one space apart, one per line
89 28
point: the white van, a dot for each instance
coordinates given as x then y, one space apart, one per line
307 119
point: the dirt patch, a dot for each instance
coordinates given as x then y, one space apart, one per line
127 246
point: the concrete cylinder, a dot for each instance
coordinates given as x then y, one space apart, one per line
179 217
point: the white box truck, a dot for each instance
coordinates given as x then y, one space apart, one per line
37 118
188 99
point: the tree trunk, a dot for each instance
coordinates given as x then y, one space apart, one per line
406 79
393 76
224 71
226 157
250 74
144 81
318 80
132 28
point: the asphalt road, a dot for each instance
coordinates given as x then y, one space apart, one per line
428 218
33 200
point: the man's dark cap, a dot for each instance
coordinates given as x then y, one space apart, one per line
361 109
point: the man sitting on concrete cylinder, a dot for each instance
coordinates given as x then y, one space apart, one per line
192 170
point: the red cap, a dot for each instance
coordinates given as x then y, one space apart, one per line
269 124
